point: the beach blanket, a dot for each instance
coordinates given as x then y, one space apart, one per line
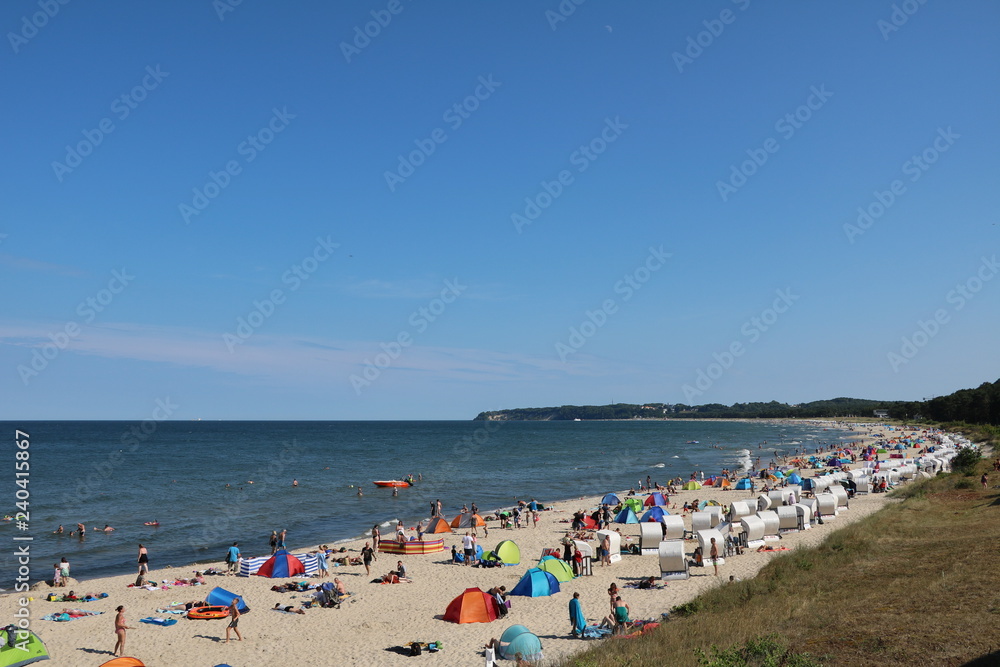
596 632
171 611
158 621
70 615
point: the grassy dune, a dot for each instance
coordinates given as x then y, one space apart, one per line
914 584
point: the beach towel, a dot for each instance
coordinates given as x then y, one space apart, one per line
158 621
596 632
576 616
70 615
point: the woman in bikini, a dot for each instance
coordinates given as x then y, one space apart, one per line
120 629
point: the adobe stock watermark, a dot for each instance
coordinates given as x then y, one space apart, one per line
30 25
786 126
248 149
594 320
454 116
419 321
899 16
563 11
363 35
915 167
957 298
87 310
696 44
581 158
223 7
265 308
122 107
90 483
751 331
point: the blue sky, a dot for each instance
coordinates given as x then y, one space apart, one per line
651 176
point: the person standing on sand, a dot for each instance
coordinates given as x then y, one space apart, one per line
234 615
120 629
233 558
468 547
376 537
985 480
281 538
367 556
433 510
439 508
274 541
324 569
576 618
606 551
714 554
143 560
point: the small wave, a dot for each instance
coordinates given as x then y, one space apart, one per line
675 457
660 465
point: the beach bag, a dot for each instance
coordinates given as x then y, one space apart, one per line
415 649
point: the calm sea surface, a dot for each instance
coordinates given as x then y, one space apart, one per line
177 473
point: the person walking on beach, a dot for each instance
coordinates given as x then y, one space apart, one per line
120 629
714 555
143 560
234 616
274 541
367 556
233 558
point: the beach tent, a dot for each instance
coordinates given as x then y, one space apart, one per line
23 647
117 662
610 499
557 567
722 482
626 516
220 597
589 523
794 478
281 565
743 484
472 606
536 583
654 514
506 552
437 525
634 503
691 486
517 639
654 499
467 520
709 503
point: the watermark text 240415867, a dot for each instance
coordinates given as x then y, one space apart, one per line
22 550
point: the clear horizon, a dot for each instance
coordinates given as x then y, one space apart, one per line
393 211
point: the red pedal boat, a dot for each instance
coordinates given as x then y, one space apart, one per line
392 482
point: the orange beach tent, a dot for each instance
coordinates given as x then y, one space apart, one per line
472 606
437 525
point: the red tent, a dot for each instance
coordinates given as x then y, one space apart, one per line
589 523
281 564
472 606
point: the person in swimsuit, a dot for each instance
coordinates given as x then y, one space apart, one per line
288 608
274 541
143 560
376 537
281 538
234 615
120 629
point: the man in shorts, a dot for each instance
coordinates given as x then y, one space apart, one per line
469 547
234 620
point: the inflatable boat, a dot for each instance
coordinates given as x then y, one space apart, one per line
208 612
392 482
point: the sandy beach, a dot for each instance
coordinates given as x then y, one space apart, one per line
376 620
